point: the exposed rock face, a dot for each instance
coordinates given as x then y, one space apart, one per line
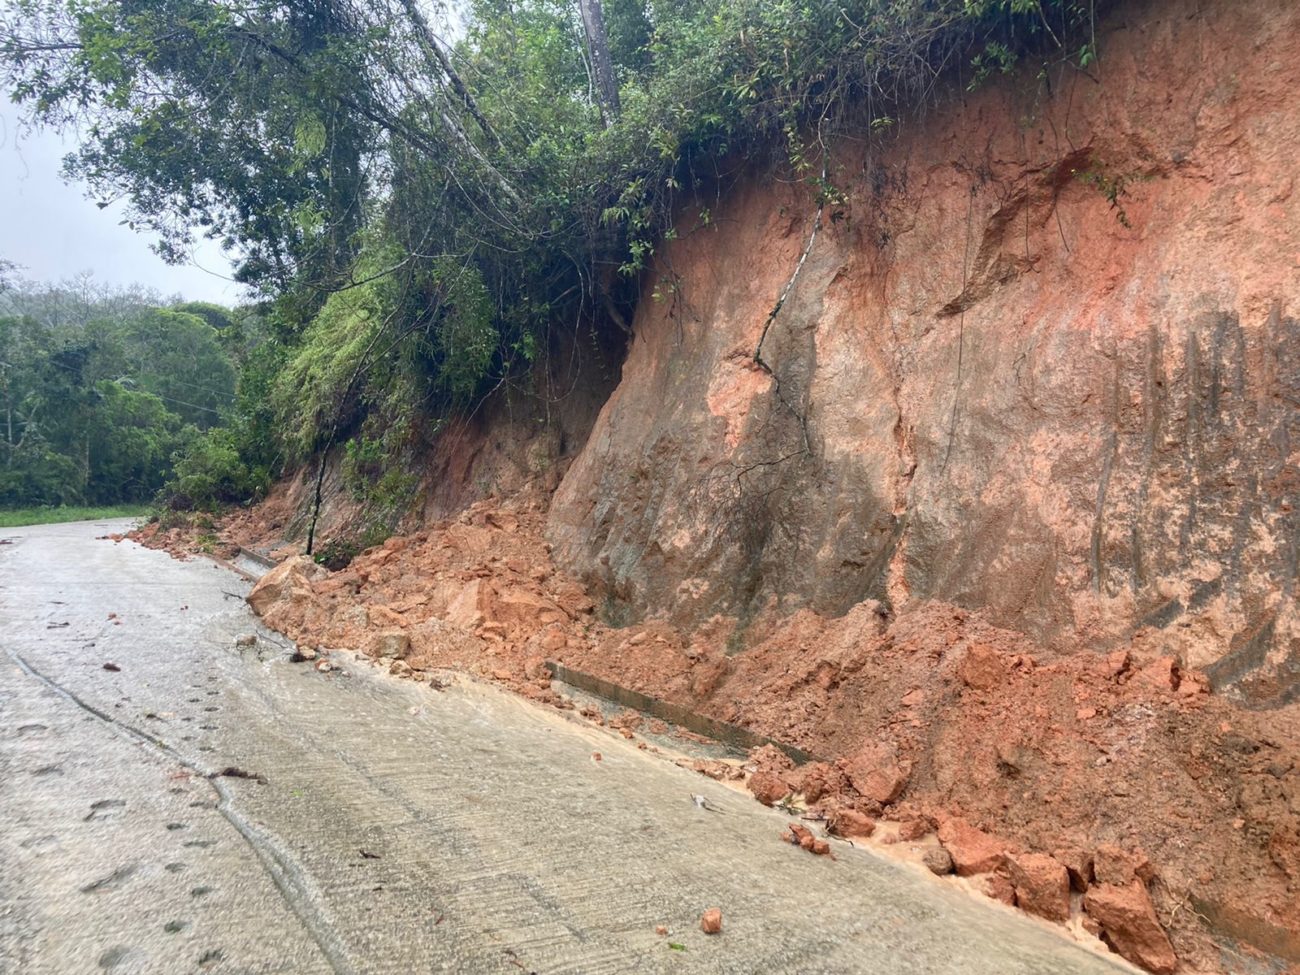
1043 361
1009 428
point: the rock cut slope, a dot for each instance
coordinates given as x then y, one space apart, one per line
1042 361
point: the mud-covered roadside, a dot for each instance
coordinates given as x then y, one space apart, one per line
1111 791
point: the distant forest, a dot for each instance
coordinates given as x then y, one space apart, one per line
103 391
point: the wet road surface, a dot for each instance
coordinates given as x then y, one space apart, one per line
391 828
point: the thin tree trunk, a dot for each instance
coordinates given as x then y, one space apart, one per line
433 50
9 420
593 23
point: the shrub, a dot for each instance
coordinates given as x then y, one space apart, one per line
208 473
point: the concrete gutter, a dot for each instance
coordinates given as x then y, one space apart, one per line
722 731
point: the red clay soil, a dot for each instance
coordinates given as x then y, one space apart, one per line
1120 771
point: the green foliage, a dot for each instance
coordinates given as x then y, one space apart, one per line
1113 186
338 551
210 472
178 356
373 479
98 390
40 476
318 382
195 118
219 319
131 438
465 338
419 214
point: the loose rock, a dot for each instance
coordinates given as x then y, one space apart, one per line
877 773
1130 926
1112 865
850 823
297 572
999 887
938 861
768 787
390 644
1042 885
816 779
1161 674
711 921
973 851
983 668
911 830
1078 865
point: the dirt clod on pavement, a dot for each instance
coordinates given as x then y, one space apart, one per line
711 921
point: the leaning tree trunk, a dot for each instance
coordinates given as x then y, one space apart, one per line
593 23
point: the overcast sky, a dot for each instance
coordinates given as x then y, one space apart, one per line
53 231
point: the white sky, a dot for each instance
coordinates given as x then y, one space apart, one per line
53 231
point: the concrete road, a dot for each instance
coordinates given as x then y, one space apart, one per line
393 828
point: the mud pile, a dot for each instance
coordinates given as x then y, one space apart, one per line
1156 798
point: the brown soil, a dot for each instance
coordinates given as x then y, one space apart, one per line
935 720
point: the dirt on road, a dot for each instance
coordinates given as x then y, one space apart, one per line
213 804
1112 790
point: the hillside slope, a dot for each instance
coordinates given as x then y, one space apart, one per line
1043 361
978 482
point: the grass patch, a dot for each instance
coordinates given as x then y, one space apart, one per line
16 517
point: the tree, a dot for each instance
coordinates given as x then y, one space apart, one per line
178 356
593 23
232 121
132 436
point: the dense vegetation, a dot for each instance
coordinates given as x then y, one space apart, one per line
100 389
417 206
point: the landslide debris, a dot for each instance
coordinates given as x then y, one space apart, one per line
1110 787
